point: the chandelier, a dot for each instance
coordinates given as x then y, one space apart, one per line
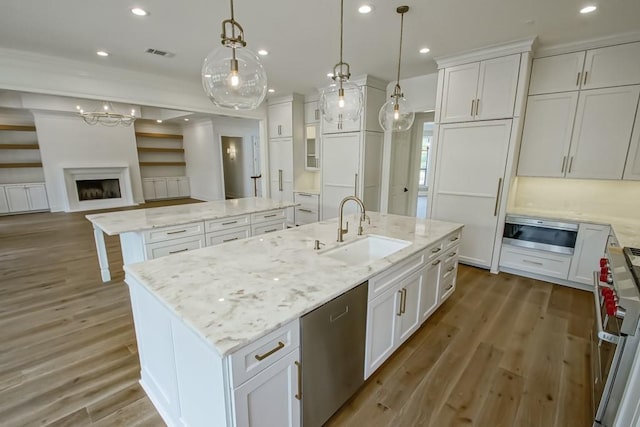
232 75
106 115
396 114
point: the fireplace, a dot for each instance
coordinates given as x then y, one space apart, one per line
97 187
93 189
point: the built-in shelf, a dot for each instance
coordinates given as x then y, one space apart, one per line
20 165
163 163
158 135
20 128
160 150
19 147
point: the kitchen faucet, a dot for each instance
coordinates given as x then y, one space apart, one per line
363 216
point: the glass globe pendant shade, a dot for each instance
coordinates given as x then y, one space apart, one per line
341 103
396 115
240 83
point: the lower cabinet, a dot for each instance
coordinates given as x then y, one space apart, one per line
158 188
29 197
590 245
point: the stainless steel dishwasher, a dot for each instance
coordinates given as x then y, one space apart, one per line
333 340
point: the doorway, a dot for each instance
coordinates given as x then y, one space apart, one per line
238 162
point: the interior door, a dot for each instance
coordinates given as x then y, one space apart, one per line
400 173
469 177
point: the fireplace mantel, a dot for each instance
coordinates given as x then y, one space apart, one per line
79 173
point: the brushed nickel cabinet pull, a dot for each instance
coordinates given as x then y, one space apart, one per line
477 106
448 287
180 250
355 185
279 129
436 262
305 210
578 79
229 240
270 215
176 232
298 395
586 73
399 313
317 114
280 179
564 163
570 163
451 254
436 250
404 300
271 231
451 268
532 262
453 239
229 223
473 101
261 357
495 209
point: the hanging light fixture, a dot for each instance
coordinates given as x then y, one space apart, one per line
232 75
396 114
106 115
342 100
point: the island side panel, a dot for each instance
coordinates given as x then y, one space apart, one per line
101 249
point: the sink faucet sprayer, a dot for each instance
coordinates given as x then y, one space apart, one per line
363 217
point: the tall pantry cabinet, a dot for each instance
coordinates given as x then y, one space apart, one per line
351 154
480 99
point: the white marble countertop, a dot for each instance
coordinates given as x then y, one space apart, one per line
119 222
234 293
627 230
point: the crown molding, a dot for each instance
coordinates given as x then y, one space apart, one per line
587 44
494 51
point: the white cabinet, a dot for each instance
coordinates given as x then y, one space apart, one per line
160 188
429 295
280 120
24 198
281 172
469 180
148 189
382 320
311 151
535 261
558 73
579 134
590 247
172 188
309 209
311 112
481 90
410 290
165 187
184 189
632 166
341 158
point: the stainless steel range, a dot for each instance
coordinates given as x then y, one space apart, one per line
615 336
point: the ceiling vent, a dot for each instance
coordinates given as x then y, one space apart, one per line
160 53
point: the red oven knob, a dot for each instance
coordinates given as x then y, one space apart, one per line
611 308
605 277
604 262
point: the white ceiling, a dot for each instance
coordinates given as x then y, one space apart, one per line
302 35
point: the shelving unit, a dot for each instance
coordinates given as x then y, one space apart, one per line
20 154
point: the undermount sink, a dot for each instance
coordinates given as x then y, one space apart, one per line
366 249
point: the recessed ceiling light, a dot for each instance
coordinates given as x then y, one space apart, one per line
271 90
263 52
186 120
102 53
139 12
425 50
365 8
159 121
329 74
588 9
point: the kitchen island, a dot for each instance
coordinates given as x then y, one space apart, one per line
217 328
154 232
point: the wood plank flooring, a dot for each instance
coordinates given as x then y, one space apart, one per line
502 351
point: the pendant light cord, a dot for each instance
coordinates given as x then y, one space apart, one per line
400 52
341 29
233 32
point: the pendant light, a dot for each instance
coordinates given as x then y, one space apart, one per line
232 75
342 100
396 114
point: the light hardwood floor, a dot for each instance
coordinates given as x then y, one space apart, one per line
502 351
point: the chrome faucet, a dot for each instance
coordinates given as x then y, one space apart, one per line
363 217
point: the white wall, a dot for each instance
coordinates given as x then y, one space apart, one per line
204 164
67 141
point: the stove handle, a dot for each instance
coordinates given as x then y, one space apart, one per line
602 334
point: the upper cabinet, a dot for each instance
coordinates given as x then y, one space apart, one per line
482 90
632 168
592 69
280 120
311 112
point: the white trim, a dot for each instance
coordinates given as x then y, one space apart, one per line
495 51
587 44
72 174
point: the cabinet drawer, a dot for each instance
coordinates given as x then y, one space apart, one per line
226 223
447 288
449 268
174 232
452 239
174 246
268 216
268 227
225 236
307 200
383 281
435 250
264 352
534 261
306 216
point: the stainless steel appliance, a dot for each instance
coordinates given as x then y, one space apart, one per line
615 335
333 343
535 233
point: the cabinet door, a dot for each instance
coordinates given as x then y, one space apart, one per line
547 134
590 246
460 84
311 112
4 204
602 132
497 84
17 198
269 398
160 188
471 159
172 188
560 73
37 197
429 294
632 167
148 189
341 159
280 120
184 189
383 314
410 307
612 66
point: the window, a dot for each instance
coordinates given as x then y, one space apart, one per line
427 137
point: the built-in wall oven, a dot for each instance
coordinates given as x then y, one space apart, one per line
535 233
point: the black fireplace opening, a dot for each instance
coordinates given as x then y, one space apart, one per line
96 189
